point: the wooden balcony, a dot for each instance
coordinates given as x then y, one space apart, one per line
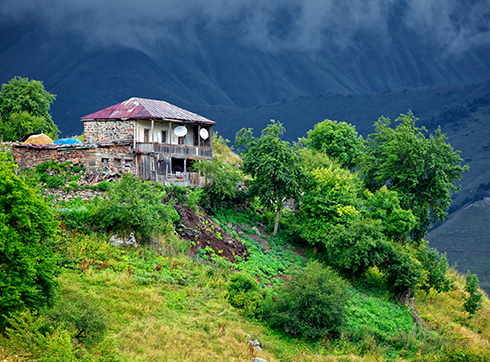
174 150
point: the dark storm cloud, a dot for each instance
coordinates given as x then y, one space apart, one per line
271 24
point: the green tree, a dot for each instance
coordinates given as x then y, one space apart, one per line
330 197
312 304
435 267
28 264
338 140
472 301
421 170
24 110
384 205
222 173
273 165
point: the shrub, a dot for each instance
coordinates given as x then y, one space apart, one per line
312 304
244 292
472 302
28 264
134 206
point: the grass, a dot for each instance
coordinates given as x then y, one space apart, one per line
163 306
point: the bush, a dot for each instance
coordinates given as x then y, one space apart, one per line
472 302
312 304
244 292
134 206
28 263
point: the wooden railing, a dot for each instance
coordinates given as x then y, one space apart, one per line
150 147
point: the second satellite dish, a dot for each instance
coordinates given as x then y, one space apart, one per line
204 133
180 131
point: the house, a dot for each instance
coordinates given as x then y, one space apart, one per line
161 142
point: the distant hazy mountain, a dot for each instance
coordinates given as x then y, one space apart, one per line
93 54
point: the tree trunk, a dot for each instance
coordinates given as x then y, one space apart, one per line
276 224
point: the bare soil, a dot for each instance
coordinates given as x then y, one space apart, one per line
204 231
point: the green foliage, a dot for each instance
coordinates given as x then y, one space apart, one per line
380 318
222 179
403 272
384 205
24 110
330 197
134 206
273 165
312 304
435 267
472 302
338 140
28 263
30 336
57 174
355 246
244 292
82 318
422 171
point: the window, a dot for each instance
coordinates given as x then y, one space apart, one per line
146 135
164 136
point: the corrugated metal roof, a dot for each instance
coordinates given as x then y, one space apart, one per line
141 108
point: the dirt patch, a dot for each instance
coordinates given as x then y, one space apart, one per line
204 231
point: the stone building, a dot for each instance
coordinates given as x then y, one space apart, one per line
152 139
166 140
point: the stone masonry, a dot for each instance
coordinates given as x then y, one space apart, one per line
107 131
94 157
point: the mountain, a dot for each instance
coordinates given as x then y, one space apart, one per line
243 63
466 240
239 58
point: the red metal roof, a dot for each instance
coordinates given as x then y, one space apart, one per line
140 108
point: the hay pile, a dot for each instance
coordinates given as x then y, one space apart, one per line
39 139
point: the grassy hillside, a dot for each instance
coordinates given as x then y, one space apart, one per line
164 307
162 302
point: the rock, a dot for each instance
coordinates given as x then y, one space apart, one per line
131 241
254 343
117 241
256 230
257 359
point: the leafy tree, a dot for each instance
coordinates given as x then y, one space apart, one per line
28 264
435 266
421 170
403 272
338 140
384 205
355 246
222 173
472 302
312 304
24 110
330 197
273 165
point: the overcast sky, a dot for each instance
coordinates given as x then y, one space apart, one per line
454 24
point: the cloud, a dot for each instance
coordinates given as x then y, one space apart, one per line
306 25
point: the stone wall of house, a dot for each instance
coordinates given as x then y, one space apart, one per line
115 158
94 157
107 131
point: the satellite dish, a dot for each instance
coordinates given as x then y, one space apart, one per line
204 133
180 131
